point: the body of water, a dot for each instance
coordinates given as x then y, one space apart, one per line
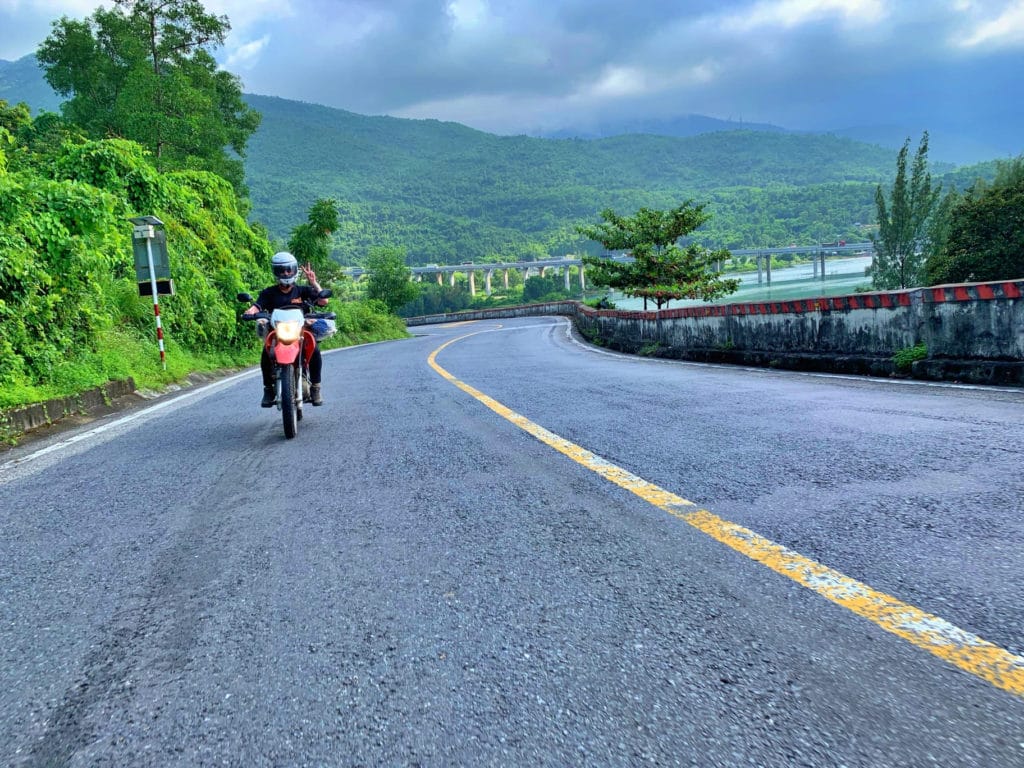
842 277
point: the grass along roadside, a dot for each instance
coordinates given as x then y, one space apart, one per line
121 354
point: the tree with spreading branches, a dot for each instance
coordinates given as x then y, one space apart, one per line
310 241
143 70
660 270
389 277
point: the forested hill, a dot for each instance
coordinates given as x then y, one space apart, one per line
450 194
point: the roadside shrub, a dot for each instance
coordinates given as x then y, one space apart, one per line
905 358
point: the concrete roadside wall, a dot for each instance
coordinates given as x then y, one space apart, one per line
18 421
972 332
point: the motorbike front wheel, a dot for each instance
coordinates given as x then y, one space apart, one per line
288 409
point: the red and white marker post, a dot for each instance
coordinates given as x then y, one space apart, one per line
145 229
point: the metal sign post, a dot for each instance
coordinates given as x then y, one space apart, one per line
154 272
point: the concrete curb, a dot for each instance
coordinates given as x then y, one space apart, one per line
20 421
33 421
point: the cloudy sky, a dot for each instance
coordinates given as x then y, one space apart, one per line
511 66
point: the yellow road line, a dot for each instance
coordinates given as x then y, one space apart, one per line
935 635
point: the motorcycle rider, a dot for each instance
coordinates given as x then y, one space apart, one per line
285 293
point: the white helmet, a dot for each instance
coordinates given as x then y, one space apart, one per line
285 268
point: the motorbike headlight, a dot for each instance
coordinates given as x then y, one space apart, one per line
288 331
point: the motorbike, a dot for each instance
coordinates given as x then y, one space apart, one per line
289 343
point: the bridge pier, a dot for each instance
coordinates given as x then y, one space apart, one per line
487 280
506 279
472 282
566 274
451 278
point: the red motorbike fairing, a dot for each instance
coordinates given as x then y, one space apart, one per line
285 354
308 345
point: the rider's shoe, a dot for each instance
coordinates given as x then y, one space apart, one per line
314 395
268 398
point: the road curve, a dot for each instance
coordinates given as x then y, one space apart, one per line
422 577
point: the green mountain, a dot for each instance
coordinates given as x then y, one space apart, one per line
450 194
22 80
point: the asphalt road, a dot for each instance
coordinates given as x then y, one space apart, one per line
417 580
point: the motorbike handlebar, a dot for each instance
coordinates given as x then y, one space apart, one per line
308 316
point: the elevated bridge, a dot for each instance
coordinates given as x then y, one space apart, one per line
762 256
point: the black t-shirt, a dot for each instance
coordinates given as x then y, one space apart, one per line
299 296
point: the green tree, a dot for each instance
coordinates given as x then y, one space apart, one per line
985 238
538 288
144 70
310 240
938 230
900 243
389 277
660 270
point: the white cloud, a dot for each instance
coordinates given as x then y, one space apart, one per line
244 13
618 82
245 56
468 14
1005 30
788 14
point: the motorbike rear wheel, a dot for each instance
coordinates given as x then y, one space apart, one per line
288 409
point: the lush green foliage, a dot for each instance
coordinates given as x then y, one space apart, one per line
310 240
362 322
389 278
433 299
450 194
900 249
983 232
143 70
600 302
70 310
660 270
542 288
905 358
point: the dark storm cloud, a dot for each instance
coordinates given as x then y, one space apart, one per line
734 59
519 65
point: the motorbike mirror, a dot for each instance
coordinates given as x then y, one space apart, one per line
326 293
244 297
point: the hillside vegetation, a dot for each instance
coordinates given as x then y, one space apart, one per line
70 310
450 194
